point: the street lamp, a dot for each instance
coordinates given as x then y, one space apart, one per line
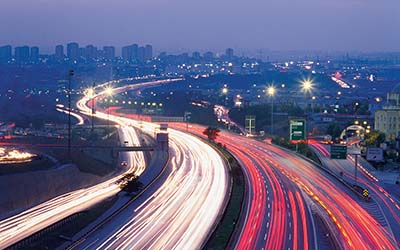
90 94
271 90
109 92
70 75
307 86
225 89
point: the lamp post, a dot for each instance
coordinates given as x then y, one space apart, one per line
90 94
271 90
109 92
70 75
307 87
225 92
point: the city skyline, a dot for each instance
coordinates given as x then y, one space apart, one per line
176 26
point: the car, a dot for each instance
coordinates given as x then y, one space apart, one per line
124 164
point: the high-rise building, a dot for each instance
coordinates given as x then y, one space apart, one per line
127 53
229 54
59 52
90 52
5 53
208 55
109 53
141 54
81 52
73 51
148 52
22 54
135 51
196 55
130 52
34 54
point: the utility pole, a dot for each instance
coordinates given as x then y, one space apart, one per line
93 85
70 75
272 116
355 168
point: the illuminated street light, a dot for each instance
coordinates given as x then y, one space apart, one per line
224 90
307 85
109 91
271 90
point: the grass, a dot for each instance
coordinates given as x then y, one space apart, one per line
302 148
222 235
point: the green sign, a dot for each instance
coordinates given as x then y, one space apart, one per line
297 129
187 116
250 123
338 152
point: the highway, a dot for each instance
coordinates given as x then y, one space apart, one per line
21 225
25 223
180 209
384 206
350 225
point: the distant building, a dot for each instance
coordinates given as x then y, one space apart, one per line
127 53
229 54
196 55
22 54
81 53
130 53
109 53
135 51
5 53
34 54
90 52
59 53
148 52
73 51
387 119
208 56
141 54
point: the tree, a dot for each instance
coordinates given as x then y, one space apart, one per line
130 183
211 133
375 138
334 130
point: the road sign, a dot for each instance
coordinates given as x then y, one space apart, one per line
297 129
187 116
250 124
374 154
365 193
338 152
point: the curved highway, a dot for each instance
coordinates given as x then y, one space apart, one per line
351 226
180 209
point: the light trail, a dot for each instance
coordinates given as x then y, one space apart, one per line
355 227
181 209
24 224
366 179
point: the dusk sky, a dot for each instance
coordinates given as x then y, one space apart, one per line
334 25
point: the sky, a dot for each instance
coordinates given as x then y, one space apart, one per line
179 25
